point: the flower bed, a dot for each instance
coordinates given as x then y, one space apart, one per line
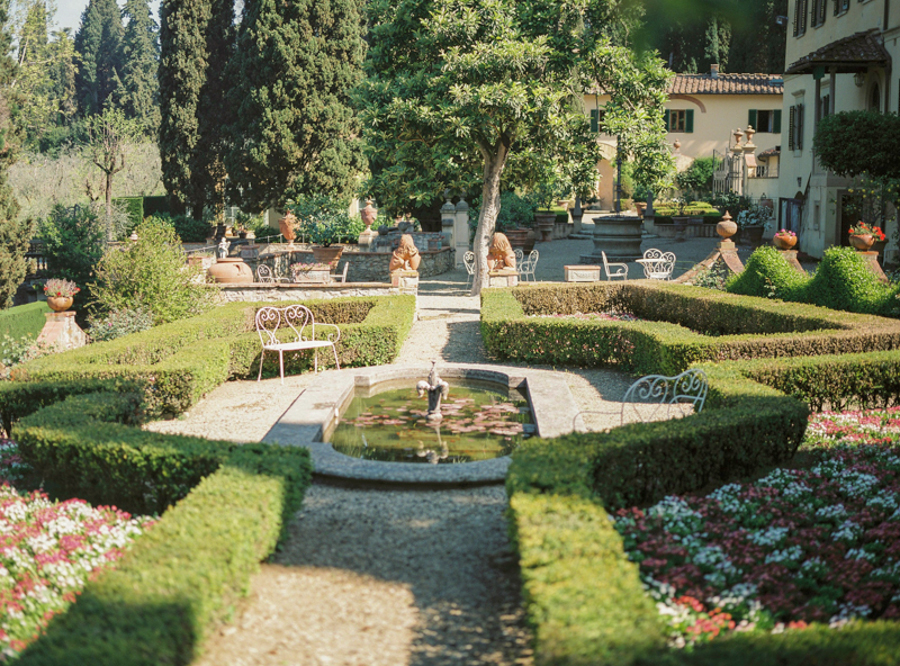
48 551
820 544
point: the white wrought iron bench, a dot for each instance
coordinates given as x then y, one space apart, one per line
657 398
264 274
297 328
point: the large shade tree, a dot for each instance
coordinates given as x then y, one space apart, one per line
469 87
295 131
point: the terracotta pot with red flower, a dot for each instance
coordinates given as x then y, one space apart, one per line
863 236
60 293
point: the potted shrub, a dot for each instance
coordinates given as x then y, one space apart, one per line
752 222
325 224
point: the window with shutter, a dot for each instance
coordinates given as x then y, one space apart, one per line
804 7
689 121
666 119
792 123
820 13
797 17
798 139
595 120
776 121
751 119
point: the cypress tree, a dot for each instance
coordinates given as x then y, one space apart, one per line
213 113
182 72
294 67
139 97
98 43
14 234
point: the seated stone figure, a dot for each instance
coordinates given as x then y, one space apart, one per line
406 257
500 254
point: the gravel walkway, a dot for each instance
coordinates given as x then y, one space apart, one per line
371 577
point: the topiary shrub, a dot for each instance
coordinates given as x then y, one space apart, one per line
843 281
768 275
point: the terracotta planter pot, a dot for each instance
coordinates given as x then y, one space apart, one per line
230 270
862 242
59 303
521 238
784 242
327 255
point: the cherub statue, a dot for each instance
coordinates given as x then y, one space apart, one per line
224 245
500 254
406 257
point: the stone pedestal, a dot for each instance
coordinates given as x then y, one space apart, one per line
61 332
581 273
461 231
406 281
871 258
617 235
505 277
790 256
367 237
726 251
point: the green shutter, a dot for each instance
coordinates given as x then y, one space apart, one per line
751 119
595 120
776 122
689 121
666 119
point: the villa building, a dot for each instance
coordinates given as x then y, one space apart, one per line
840 57
701 115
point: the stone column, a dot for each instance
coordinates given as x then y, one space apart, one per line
448 219
461 231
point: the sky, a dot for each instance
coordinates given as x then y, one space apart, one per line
68 12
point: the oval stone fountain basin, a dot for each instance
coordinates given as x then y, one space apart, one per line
478 424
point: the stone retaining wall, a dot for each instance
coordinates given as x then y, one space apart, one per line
258 292
364 266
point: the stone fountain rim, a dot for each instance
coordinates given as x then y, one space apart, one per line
313 414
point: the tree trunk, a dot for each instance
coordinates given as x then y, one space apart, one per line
494 162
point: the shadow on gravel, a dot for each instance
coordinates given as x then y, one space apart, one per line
464 344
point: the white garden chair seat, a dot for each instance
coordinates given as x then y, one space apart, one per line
298 332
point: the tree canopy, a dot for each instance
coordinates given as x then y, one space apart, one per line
139 91
98 43
851 143
464 88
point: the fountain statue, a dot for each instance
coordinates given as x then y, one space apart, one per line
437 390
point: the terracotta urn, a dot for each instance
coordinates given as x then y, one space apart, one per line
368 214
230 270
784 241
521 238
287 226
862 242
327 255
726 227
59 303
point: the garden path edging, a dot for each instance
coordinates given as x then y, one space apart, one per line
311 416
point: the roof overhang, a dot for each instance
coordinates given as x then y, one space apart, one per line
848 55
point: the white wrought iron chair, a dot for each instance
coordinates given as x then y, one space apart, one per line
657 398
264 274
302 325
528 265
339 276
520 257
613 269
469 261
658 265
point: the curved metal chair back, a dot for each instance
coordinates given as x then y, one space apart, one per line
658 265
264 274
528 265
469 261
653 393
614 269
520 256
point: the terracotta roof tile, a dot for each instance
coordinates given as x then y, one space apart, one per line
766 154
727 84
849 54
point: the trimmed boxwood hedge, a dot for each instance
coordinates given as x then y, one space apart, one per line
583 596
225 505
176 364
24 320
684 325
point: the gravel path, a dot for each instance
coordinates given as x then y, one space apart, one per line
371 577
